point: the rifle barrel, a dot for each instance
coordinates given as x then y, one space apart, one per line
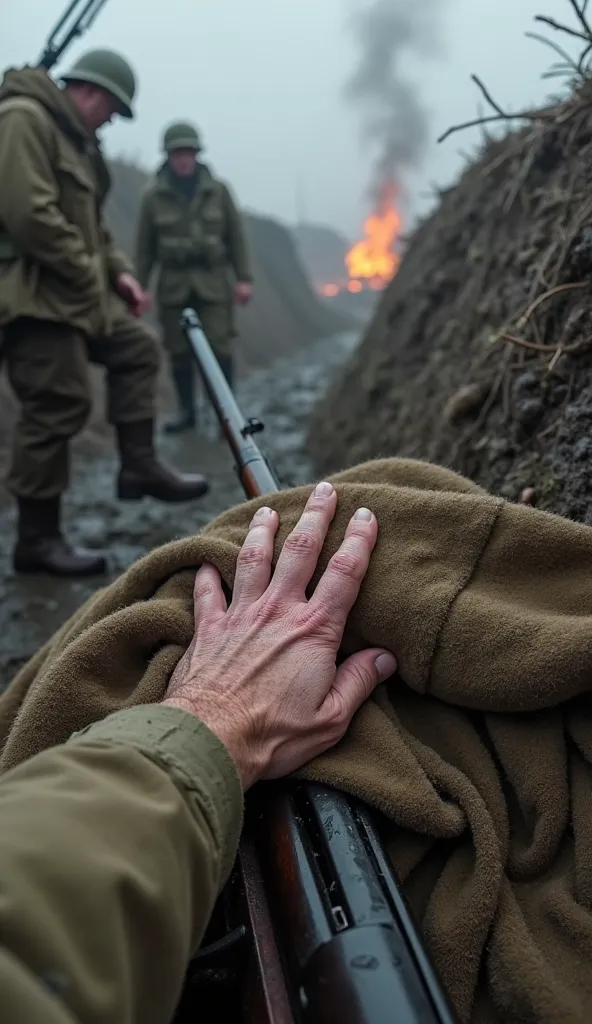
253 470
82 21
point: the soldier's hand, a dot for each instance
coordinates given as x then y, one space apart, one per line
132 293
243 293
261 673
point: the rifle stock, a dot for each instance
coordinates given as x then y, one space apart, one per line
331 939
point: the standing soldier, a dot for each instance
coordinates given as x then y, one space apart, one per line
190 229
67 297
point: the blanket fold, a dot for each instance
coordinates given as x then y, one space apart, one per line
478 754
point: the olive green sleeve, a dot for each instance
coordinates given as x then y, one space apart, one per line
117 262
29 203
146 242
113 849
236 240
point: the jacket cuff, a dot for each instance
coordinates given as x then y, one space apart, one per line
118 264
185 747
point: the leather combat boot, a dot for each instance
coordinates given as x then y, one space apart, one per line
183 374
41 547
143 475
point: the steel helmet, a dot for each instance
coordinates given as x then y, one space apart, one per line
181 135
111 72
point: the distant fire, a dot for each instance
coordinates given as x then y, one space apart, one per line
373 261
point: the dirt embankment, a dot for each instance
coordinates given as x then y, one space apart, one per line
479 355
322 250
285 314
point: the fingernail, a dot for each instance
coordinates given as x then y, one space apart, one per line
363 515
323 490
386 665
263 513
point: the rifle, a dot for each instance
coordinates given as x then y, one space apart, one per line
83 20
313 924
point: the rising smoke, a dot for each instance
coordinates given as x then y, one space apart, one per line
394 120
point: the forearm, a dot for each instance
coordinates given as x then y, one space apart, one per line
145 245
40 232
116 260
29 206
114 847
239 258
236 240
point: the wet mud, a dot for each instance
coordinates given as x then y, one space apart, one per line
32 608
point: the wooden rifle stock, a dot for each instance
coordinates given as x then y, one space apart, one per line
332 940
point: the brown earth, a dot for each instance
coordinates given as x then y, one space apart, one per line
322 250
479 355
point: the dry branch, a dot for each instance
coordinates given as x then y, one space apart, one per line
569 64
500 114
580 13
558 27
548 295
583 33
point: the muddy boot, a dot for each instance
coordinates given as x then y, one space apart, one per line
142 475
183 374
41 548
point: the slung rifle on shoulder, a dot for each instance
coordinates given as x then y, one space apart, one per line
74 22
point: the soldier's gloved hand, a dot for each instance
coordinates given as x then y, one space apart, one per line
132 293
261 673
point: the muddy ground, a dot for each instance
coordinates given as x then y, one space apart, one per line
31 609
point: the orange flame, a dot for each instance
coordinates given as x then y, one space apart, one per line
373 259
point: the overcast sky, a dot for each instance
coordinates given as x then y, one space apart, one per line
263 79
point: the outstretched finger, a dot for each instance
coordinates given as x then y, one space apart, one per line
302 547
208 597
253 565
340 584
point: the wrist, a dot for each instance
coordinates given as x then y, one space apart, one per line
233 732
